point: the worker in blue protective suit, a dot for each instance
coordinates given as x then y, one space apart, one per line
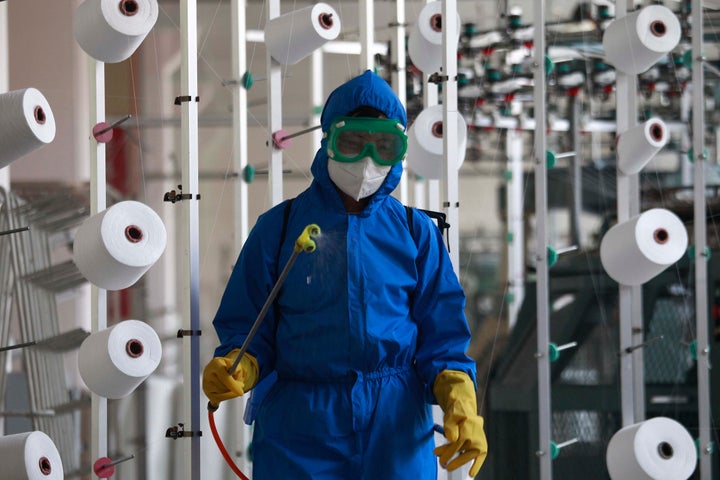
367 332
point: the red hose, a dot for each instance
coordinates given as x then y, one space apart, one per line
221 446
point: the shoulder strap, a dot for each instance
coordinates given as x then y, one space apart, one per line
408 211
283 231
439 217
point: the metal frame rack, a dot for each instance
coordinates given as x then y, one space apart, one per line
32 279
585 382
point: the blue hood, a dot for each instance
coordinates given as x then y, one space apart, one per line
367 89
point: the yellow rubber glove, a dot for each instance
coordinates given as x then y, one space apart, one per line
455 393
219 385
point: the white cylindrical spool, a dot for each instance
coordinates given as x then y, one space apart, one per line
111 30
635 251
636 41
656 449
295 35
574 79
30 456
115 361
638 145
26 123
425 143
425 41
115 247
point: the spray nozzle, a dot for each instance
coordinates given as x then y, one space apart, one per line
305 241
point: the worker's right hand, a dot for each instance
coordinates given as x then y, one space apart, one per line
219 385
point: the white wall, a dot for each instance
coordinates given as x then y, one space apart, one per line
44 55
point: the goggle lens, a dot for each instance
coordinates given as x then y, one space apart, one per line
388 146
353 138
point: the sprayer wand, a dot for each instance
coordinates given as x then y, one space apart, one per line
304 243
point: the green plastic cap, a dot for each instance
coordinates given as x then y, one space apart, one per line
247 80
552 256
249 173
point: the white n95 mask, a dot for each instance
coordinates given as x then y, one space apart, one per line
358 179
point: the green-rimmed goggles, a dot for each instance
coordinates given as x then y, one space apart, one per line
351 138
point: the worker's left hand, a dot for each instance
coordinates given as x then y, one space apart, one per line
455 393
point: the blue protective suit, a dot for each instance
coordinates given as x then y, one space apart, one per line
359 331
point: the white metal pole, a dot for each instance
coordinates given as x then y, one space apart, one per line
317 91
575 169
4 77
686 172
420 194
450 132
541 239
430 98
701 295
366 12
98 296
240 122
274 106
399 78
190 237
515 231
239 433
630 297
451 202
433 194
4 87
